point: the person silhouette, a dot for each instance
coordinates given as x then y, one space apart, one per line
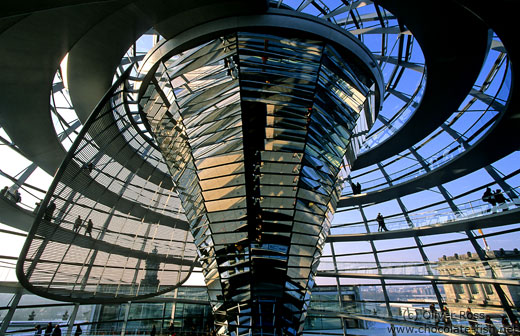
48 329
88 229
381 222
488 195
56 331
49 211
77 224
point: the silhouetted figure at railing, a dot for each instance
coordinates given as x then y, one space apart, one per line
154 331
432 309
381 222
493 331
516 327
48 329
508 329
77 224
12 194
17 196
38 331
434 314
500 198
488 196
471 318
505 324
356 188
49 212
88 229
36 207
56 331
446 316
78 331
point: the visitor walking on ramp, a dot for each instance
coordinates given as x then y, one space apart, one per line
381 222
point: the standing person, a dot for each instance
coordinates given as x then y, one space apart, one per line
36 207
49 211
506 325
492 200
434 314
446 316
381 222
471 318
487 196
38 331
78 331
516 327
356 188
48 329
56 331
154 331
88 230
17 197
499 198
493 331
77 224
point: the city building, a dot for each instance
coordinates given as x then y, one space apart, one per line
274 167
502 264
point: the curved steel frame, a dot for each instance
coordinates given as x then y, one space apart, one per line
494 145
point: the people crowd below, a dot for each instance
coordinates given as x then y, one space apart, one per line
476 325
54 331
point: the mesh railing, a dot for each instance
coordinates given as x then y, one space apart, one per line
110 227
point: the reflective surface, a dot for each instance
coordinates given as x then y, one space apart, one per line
259 132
